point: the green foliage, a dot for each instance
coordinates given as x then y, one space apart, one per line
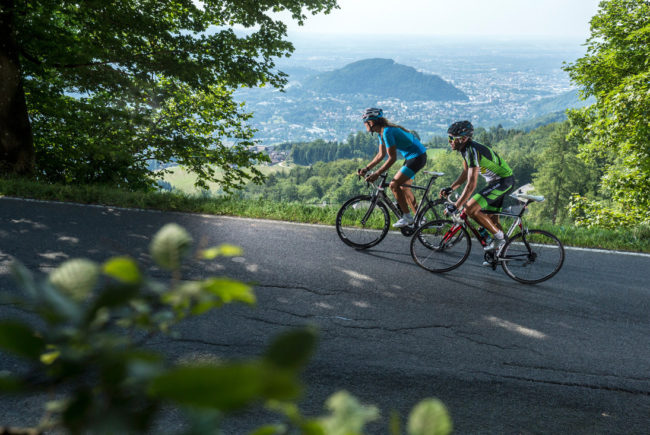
359 145
429 417
85 349
111 86
614 131
560 175
348 415
85 346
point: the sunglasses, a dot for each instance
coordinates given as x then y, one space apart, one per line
453 138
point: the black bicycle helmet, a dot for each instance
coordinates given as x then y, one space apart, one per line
461 128
372 113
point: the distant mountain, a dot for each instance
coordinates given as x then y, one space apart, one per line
386 79
558 103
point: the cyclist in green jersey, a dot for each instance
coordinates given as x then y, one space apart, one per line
478 158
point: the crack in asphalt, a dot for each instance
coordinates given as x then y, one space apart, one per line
269 322
572 384
317 316
292 287
466 336
198 341
553 369
405 329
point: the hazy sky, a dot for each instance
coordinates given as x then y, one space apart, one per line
566 19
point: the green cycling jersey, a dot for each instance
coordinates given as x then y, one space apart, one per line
490 165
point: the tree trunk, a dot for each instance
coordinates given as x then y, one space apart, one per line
16 142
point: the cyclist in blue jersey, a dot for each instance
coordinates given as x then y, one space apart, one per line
393 138
478 158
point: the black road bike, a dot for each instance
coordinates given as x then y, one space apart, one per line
364 221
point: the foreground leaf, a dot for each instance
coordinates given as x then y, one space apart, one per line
348 415
429 417
170 245
225 387
123 269
293 349
221 250
75 278
20 339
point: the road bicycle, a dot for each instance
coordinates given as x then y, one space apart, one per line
364 221
530 256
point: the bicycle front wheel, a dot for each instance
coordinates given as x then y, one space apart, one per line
432 212
532 257
361 224
440 246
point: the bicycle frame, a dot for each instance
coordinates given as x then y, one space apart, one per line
464 220
380 195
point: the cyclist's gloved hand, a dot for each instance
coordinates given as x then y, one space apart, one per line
362 172
372 177
445 191
451 209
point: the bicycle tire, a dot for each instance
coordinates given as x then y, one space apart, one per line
532 258
350 229
435 255
430 213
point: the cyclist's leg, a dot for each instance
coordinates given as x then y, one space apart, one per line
473 209
396 187
410 168
408 193
489 199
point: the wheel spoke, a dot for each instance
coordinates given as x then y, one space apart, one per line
431 251
360 224
533 260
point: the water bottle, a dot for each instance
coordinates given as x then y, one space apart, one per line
485 235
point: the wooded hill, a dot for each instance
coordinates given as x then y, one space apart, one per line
386 79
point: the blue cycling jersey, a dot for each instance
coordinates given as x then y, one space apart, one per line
407 144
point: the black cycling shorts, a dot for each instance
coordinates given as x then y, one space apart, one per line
412 166
492 196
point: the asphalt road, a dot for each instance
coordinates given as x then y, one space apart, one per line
568 356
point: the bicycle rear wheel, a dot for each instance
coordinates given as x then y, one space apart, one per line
440 246
361 224
532 257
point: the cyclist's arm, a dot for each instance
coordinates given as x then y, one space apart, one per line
392 157
381 153
472 181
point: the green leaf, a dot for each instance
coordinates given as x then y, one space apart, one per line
24 278
49 357
170 245
20 339
75 278
429 417
271 429
348 415
293 349
223 387
229 290
221 250
10 384
312 427
123 269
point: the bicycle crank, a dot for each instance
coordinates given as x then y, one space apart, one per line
489 258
